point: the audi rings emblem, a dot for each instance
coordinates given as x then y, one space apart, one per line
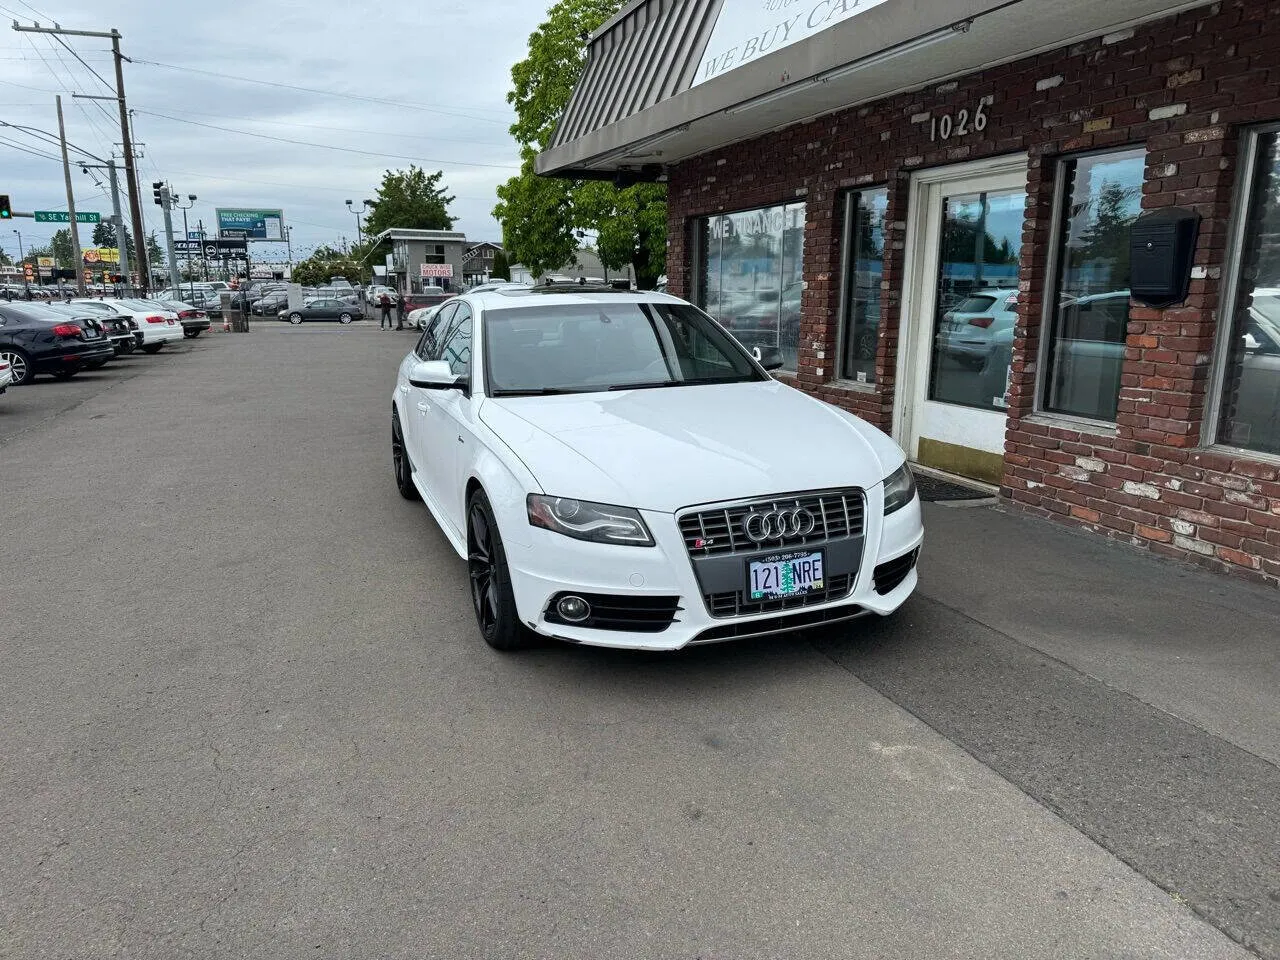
778 525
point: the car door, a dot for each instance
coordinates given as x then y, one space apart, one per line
452 423
418 406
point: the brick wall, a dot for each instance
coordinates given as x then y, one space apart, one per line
1185 87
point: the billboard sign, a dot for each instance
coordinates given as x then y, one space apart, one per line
45 263
102 255
748 29
436 270
250 224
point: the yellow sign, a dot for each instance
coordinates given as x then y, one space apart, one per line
102 255
45 262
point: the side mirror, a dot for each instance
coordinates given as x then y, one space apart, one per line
435 375
768 357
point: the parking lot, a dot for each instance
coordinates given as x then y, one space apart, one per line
247 714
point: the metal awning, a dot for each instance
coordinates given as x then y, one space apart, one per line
639 105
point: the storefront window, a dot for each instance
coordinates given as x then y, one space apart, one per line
864 268
1251 390
979 256
752 274
1102 197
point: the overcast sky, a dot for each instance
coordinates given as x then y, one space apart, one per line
447 63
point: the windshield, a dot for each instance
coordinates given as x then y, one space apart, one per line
588 347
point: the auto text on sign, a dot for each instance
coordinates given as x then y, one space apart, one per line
436 270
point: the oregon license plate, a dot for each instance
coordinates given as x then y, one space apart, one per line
784 575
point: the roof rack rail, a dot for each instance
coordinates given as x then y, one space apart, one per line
581 286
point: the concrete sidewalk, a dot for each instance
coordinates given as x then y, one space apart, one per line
1200 646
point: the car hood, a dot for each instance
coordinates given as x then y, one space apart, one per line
663 449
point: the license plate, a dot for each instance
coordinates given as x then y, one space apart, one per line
784 575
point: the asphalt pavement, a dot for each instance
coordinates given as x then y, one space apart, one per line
246 713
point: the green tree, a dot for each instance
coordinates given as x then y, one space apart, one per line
409 199
155 253
104 234
501 268
323 265
5 259
63 255
544 219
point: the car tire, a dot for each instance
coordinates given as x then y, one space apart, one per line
344 318
19 365
400 461
295 318
152 347
491 595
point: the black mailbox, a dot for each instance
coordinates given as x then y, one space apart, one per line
1162 245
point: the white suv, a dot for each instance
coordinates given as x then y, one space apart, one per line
617 470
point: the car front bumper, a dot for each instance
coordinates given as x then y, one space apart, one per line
553 564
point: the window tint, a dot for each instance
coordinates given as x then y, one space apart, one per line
433 337
974 304
456 350
1251 389
1101 198
864 269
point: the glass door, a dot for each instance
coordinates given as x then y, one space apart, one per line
960 319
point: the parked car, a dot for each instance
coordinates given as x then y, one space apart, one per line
117 329
6 375
321 309
35 339
421 318
432 297
194 320
966 331
156 325
270 304
617 470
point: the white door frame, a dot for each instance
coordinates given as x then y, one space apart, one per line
915 340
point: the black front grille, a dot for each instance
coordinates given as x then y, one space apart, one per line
608 612
782 624
890 574
731 603
719 531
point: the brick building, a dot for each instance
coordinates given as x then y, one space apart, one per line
930 209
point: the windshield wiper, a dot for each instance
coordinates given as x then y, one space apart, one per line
537 392
693 382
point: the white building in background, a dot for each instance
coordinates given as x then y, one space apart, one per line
588 267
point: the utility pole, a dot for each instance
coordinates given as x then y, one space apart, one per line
204 261
122 235
130 171
191 202
77 261
166 202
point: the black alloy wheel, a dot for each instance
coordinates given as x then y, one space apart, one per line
491 593
400 460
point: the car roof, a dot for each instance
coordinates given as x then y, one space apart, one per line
510 298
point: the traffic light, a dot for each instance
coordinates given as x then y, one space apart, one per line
6 211
157 188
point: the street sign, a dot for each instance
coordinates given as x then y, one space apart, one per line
61 216
195 235
251 224
210 248
27 271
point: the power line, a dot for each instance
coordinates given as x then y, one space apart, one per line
325 146
326 93
109 86
34 153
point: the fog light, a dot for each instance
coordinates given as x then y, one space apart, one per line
573 609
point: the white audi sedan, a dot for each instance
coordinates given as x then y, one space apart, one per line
617 470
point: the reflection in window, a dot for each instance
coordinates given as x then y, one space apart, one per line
1251 398
1102 197
752 274
977 298
864 268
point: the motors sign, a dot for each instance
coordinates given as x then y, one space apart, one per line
748 29
250 224
436 270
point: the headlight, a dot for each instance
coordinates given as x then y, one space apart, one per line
582 520
899 489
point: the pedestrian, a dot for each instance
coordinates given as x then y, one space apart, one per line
400 312
384 304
